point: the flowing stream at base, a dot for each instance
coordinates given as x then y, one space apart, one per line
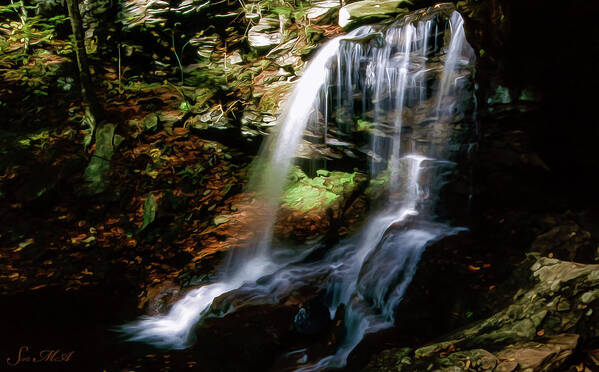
410 80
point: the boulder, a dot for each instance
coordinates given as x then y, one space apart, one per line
537 311
368 11
312 206
537 332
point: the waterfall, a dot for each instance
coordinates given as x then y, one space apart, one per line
411 79
174 328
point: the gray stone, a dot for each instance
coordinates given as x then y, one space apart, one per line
266 34
289 59
234 59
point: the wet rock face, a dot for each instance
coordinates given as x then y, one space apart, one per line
158 299
312 318
538 332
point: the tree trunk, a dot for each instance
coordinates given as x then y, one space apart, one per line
93 111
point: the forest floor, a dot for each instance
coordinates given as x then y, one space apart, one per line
53 232
70 262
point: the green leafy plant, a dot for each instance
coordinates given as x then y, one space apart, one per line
65 83
28 52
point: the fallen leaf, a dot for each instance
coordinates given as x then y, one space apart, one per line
541 332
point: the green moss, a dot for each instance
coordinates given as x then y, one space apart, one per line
323 172
303 193
306 197
363 125
184 106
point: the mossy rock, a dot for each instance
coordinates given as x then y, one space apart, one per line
305 194
368 11
310 207
98 169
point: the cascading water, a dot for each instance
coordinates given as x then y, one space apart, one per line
410 79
